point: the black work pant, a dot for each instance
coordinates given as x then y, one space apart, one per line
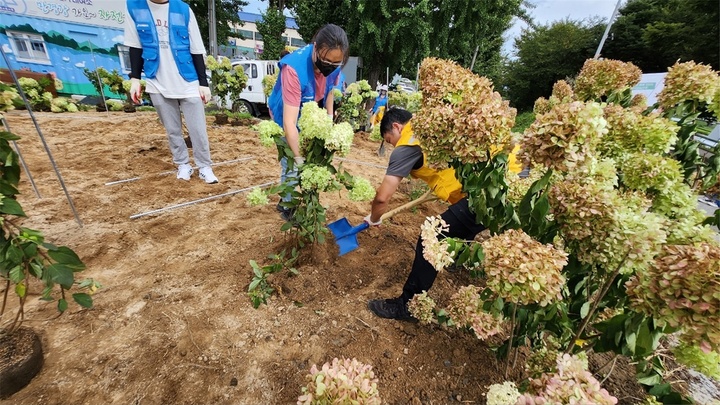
461 223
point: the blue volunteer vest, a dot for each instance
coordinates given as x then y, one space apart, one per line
301 61
341 81
178 21
379 102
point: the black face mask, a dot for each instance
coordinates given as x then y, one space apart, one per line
324 68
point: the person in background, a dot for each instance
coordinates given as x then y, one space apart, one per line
307 74
408 159
165 43
380 104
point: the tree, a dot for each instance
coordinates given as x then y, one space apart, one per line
398 34
226 15
461 26
390 33
272 28
654 34
311 15
547 54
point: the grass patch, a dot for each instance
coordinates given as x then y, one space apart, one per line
523 120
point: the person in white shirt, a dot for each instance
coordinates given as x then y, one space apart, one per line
165 43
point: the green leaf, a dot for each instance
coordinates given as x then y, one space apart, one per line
253 285
541 208
17 274
7 189
649 379
584 310
645 340
65 255
499 304
660 390
286 226
10 207
36 269
83 299
13 255
30 250
8 136
580 285
62 305
61 274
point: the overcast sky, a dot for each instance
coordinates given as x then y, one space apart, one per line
546 11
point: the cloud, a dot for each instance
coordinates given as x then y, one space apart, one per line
119 39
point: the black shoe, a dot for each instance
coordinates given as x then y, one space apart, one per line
287 214
391 309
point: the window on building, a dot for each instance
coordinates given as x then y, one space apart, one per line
286 40
297 42
124 54
245 34
258 36
29 47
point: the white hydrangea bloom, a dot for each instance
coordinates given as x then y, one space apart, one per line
340 139
502 394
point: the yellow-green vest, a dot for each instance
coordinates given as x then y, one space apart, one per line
443 183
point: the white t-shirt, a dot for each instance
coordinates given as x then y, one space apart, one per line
168 80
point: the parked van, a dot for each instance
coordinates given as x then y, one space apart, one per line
253 97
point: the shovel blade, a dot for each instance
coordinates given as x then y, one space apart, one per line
346 234
381 150
339 227
347 243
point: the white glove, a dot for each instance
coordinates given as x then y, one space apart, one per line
205 95
299 160
370 222
135 91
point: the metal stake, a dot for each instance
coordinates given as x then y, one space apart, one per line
185 204
42 138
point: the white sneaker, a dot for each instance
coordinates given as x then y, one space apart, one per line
206 174
184 172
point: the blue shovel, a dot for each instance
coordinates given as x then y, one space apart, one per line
346 234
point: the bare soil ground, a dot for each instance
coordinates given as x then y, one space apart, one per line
173 323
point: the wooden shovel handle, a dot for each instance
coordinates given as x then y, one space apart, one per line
428 196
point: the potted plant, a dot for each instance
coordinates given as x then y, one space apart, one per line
24 256
226 83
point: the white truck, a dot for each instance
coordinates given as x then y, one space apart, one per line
253 97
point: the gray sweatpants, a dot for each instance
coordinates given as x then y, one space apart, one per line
194 111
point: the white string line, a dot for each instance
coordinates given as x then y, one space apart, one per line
175 171
214 197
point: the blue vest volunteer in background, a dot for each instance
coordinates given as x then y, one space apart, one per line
301 61
165 43
178 19
308 70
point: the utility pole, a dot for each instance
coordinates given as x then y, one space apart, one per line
607 30
472 65
212 23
